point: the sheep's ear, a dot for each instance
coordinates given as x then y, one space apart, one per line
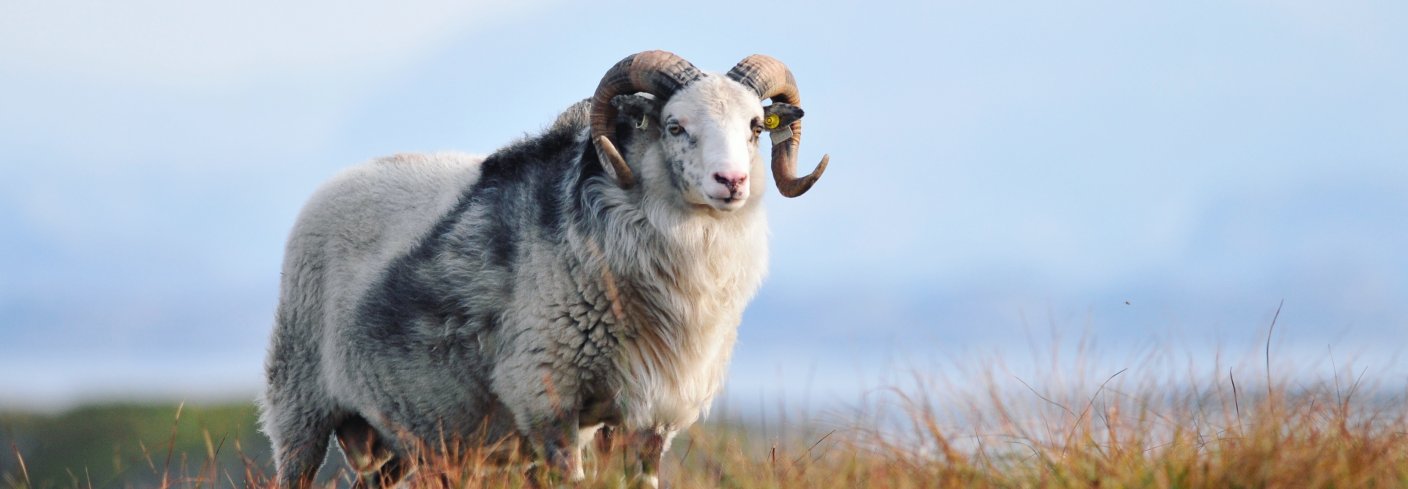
780 115
641 110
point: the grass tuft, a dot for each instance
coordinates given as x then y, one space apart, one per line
1119 432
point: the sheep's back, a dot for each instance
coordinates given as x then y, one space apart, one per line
366 216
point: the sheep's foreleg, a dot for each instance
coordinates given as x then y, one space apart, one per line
649 447
558 450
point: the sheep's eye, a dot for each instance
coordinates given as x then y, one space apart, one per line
675 129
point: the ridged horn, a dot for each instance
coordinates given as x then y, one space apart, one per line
771 79
659 73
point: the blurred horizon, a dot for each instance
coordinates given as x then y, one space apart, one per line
1005 179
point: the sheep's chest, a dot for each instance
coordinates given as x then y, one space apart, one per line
647 346
673 349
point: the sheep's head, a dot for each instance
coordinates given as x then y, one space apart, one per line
707 128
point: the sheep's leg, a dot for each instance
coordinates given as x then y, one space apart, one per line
391 474
605 439
297 422
374 462
559 449
649 446
299 448
594 435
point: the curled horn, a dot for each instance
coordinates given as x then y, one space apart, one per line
771 79
658 73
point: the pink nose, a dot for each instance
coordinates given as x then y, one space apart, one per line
731 179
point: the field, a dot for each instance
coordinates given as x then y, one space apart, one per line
1074 430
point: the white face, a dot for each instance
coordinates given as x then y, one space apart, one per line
710 143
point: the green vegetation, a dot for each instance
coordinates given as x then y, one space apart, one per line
130 445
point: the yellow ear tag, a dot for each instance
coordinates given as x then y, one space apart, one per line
772 121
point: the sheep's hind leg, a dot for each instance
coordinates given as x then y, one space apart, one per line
300 445
374 462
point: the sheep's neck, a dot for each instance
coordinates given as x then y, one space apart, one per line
677 298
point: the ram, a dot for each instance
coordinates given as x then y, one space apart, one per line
592 275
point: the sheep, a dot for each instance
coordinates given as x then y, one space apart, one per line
556 286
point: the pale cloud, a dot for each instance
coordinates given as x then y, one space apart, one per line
216 44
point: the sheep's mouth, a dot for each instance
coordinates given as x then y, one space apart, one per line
730 203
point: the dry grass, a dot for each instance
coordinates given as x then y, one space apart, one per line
1109 430
1115 437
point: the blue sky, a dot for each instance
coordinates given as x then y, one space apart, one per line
1001 173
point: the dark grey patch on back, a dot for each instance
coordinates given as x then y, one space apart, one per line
500 233
419 287
549 200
